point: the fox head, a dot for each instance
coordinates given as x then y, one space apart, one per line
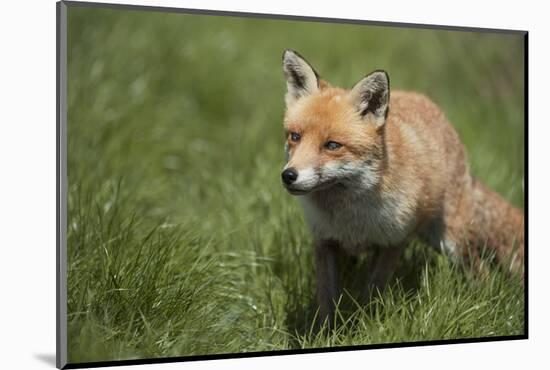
333 136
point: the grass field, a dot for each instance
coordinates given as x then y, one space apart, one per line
181 239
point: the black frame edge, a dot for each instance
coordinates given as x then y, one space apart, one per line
61 260
226 356
526 180
167 9
57 195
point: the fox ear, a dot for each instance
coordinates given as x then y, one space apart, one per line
371 96
301 78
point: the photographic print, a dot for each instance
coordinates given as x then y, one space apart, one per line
243 184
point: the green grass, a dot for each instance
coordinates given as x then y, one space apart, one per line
181 239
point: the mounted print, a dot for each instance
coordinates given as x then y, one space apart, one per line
235 184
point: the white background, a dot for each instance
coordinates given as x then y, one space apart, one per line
27 182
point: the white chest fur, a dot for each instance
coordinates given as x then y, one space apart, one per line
358 219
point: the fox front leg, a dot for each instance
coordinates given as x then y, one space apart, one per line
384 268
326 253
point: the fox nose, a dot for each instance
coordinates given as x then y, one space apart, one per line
289 176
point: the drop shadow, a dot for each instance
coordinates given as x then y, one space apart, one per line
47 358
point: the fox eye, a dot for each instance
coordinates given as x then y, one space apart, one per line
294 136
332 145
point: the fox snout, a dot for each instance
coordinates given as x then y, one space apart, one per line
289 176
300 182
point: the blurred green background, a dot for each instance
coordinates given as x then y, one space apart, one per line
181 239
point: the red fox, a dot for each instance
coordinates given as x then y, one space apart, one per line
374 171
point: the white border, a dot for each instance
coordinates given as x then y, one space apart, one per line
27 185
